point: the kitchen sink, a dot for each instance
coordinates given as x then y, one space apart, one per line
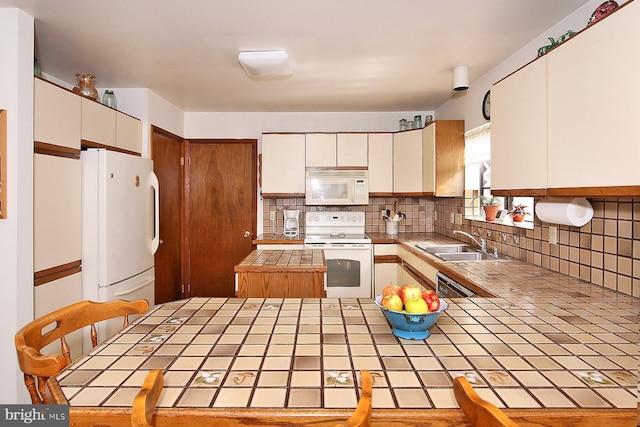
467 256
439 249
458 252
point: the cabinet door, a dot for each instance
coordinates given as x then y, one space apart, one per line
321 149
56 211
128 133
519 129
380 162
56 115
594 100
54 295
352 149
407 161
283 163
443 158
98 123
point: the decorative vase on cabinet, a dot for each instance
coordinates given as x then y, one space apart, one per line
84 86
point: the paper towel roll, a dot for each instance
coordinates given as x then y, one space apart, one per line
556 210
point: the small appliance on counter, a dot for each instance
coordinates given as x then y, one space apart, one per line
291 222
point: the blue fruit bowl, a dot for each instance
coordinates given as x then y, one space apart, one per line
411 326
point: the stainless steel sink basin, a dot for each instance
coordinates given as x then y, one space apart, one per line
467 256
457 252
439 249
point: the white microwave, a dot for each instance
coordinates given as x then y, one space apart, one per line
337 187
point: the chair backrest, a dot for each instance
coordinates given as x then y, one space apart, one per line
145 401
479 412
362 415
34 336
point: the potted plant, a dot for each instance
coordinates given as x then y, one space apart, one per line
518 212
490 205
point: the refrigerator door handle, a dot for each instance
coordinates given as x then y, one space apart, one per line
132 290
155 242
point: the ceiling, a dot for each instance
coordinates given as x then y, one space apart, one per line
347 55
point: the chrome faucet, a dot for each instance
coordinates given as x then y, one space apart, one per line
482 243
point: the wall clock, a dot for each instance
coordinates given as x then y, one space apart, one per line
486 105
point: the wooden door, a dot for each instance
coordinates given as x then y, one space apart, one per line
167 152
221 214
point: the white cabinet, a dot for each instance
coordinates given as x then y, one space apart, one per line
341 149
283 164
407 162
352 149
568 119
105 126
54 295
321 149
128 133
430 161
56 211
519 129
381 163
386 269
594 102
56 114
98 123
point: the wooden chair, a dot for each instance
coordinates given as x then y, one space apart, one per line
31 338
362 415
145 401
479 412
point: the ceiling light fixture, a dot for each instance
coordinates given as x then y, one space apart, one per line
461 78
273 63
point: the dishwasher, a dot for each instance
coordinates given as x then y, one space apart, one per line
446 287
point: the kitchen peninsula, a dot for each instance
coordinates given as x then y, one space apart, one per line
281 274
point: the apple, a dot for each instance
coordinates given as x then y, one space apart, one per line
408 292
416 306
391 289
392 302
431 298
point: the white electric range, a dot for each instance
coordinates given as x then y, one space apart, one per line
347 250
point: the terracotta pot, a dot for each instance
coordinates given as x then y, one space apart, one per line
490 212
517 217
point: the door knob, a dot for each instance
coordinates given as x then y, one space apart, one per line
247 234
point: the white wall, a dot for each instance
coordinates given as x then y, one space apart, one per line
16 232
468 105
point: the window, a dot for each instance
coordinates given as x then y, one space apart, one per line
477 158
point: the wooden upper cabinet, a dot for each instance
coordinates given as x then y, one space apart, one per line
128 133
381 163
443 158
352 149
519 130
56 115
98 123
321 150
594 104
283 164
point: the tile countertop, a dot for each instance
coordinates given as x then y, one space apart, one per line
545 340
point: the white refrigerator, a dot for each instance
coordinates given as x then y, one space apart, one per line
120 230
